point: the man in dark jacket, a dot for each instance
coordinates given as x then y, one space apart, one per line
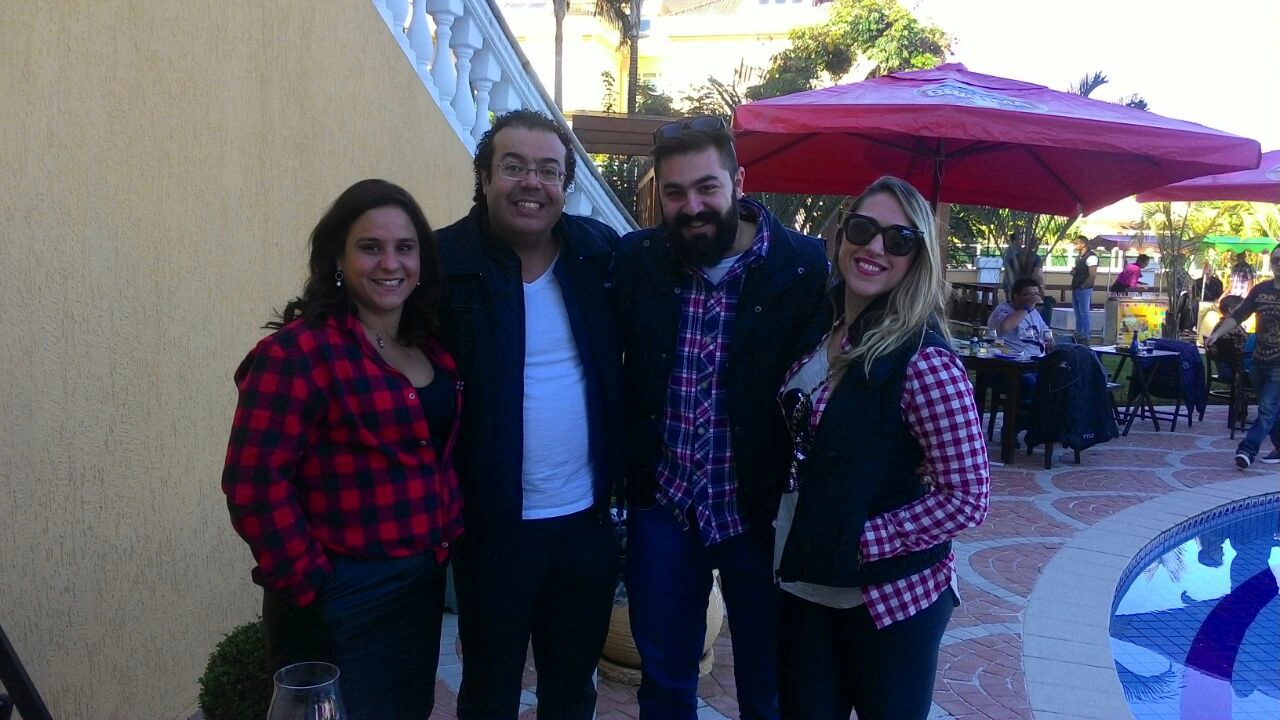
529 316
715 304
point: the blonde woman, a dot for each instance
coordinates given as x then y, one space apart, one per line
863 547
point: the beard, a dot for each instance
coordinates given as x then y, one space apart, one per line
707 246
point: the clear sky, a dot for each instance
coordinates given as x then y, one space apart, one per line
1213 62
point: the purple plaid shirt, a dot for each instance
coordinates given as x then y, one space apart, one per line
695 473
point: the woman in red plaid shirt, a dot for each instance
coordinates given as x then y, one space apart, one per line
863 547
338 472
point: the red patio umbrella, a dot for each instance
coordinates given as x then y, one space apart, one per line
1261 184
964 137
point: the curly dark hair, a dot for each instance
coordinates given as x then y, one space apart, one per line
529 120
321 297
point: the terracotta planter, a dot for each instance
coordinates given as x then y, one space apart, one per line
620 661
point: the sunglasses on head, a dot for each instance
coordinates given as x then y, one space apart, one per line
899 240
709 123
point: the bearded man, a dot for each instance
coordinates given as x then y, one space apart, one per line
715 305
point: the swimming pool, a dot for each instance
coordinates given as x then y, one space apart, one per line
1195 628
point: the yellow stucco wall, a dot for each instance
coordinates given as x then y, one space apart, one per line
161 164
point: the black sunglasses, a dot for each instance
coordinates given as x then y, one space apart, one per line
899 240
708 123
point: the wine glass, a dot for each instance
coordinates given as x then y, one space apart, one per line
990 336
1046 340
307 691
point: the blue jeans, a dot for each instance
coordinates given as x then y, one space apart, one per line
378 620
668 581
1080 300
1265 377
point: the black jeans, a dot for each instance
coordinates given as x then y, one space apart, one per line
378 620
834 661
550 581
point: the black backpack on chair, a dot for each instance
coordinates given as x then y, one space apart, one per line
1071 404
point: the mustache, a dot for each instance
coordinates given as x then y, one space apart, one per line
682 220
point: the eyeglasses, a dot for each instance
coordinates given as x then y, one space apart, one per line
899 240
707 123
547 175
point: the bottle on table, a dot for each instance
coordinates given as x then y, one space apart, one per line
1134 348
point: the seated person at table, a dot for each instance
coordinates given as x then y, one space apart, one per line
1019 326
1017 322
1131 277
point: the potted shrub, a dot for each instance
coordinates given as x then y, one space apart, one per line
236 684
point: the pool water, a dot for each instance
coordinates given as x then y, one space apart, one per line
1195 628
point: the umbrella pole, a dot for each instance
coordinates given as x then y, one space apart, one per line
937 177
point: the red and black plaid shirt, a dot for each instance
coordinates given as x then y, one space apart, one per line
330 454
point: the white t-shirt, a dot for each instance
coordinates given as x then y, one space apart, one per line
715 273
557 476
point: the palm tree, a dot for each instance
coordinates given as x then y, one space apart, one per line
624 16
561 8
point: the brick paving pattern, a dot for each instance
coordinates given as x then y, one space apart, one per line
1033 512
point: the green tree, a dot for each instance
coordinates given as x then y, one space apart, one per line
624 16
878 35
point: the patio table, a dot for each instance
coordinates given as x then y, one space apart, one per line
1011 369
1140 403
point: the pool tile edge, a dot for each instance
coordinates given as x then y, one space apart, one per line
1052 686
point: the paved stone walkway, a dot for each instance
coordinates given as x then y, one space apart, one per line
1033 513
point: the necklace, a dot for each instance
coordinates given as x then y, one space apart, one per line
382 344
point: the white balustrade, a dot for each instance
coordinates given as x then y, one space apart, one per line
420 41
473 69
399 19
504 97
485 71
466 41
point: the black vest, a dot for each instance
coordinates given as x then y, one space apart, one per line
1080 273
864 462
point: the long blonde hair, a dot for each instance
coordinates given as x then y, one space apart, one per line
918 301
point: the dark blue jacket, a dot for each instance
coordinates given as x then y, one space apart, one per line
483 327
864 462
780 296
1071 404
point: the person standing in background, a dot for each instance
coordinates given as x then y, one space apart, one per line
1263 299
1082 278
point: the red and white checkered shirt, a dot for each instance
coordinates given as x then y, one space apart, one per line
697 469
938 407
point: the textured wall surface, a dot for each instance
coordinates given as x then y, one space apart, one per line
161 164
